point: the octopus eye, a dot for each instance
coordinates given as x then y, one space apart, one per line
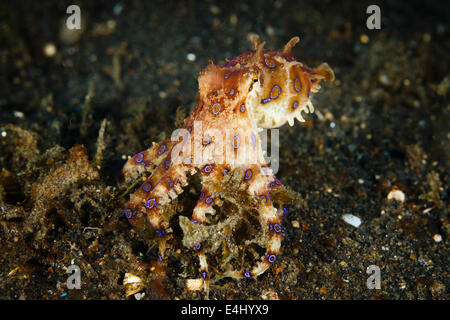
255 80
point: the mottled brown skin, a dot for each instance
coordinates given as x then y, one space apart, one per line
259 89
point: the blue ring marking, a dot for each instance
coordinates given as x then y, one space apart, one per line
167 164
164 149
234 142
202 195
207 168
295 105
187 161
278 182
313 80
169 182
194 221
271 258
309 94
295 85
285 210
198 246
225 171
272 185
247 274
248 174
204 275
147 186
270 227
253 141
139 155
227 75
207 141
266 100
271 92
277 228
242 107
214 108
273 63
129 215
263 196
147 204
209 200
231 92
251 88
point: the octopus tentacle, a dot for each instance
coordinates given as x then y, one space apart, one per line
257 178
144 162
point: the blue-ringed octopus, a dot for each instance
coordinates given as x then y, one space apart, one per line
259 89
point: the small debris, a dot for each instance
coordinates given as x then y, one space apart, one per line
139 296
364 39
133 284
397 195
50 50
437 237
351 220
269 294
295 224
18 114
194 284
191 56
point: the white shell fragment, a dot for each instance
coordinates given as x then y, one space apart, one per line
351 220
194 284
396 194
133 284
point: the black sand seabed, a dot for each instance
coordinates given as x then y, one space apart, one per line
384 127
